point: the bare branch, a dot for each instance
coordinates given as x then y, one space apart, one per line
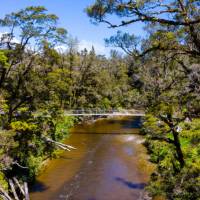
16 163
60 145
163 139
13 189
27 197
18 184
4 193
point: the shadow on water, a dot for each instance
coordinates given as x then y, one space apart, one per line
135 122
39 187
130 184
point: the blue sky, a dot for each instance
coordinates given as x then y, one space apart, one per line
72 17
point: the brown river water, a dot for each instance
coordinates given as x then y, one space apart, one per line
110 163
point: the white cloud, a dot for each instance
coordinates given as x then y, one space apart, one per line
4 37
61 48
84 44
99 48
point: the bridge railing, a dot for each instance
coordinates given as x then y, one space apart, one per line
104 111
90 111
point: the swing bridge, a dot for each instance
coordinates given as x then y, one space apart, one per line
102 112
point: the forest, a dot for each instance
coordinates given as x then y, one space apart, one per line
159 73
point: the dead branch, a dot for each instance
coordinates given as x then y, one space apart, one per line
16 163
163 139
26 191
60 145
4 194
13 189
19 186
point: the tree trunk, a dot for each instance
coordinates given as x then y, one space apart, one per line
178 148
3 73
176 141
10 114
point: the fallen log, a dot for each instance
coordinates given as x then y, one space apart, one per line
59 144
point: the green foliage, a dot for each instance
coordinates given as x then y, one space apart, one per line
167 181
191 131
34 164
3 181
63 126
3 60
22 126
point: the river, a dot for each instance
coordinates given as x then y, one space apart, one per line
110 163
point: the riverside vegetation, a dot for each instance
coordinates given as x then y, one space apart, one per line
159 73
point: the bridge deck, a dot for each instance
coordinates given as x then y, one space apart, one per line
106 114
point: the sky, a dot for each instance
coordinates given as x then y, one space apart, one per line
73 18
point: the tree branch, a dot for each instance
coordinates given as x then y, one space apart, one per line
163 139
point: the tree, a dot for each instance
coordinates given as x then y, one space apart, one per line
181 14
27 30
29 115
